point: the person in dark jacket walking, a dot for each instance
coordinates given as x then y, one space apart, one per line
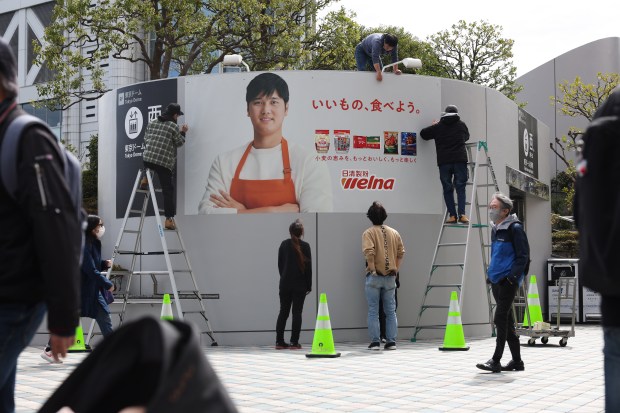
161 140
40 242
295 266
450 135
510 255
597 208
94 283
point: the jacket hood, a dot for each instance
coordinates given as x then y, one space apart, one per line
450 118
506 223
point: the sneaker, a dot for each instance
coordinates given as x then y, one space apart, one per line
451 220
295 346
47 356
144 184
514 366
491 365
169 224
390 346
283 346
463 219
375 345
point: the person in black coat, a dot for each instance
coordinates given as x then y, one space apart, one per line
450 135
93 282
295 267
597 212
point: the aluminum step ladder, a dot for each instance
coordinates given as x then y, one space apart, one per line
125 297
455 240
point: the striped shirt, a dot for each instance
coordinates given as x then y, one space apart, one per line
161 140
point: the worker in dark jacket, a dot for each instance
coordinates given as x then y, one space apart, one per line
597 212
40 243
450 135
510 255
295 267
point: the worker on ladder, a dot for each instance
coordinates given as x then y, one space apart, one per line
161 140
450 134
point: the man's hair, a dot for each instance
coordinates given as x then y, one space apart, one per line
264 85
376 213
504 200
390 39
8 70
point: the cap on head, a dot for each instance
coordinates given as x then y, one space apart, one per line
451 110
174 109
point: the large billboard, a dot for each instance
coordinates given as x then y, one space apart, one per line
136 106
344 145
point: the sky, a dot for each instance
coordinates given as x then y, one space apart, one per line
542 29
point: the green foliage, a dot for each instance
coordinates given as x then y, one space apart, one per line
334 43
166 36
565 243
90 176
476 52
580 100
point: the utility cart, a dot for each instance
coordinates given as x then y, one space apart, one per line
567 288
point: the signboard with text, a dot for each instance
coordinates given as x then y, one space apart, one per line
528 144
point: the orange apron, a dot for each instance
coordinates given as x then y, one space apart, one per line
257 193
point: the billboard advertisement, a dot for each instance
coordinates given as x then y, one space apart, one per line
287 141
136 105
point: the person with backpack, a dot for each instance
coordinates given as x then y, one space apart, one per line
510 256
597 208
295 267
40 241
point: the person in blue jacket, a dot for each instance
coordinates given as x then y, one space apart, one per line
93 281
368 53
510 255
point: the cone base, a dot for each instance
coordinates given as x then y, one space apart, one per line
86 349
331 356
454 348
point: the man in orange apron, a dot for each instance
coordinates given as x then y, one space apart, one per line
267 105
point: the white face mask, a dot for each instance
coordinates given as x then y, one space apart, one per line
495 215
100 232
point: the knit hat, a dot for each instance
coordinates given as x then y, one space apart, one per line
8 67
451 110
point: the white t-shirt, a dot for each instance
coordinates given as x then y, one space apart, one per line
313 188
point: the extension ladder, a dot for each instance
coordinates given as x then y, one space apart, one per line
156 298
454 240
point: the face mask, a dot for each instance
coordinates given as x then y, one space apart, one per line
100 232
495 215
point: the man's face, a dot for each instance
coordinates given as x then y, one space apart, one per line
387 47
267 113
495 204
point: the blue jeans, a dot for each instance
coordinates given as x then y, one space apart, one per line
363 61
611 350
104 321
383 287
454 175
18 324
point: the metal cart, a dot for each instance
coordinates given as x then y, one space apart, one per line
567 288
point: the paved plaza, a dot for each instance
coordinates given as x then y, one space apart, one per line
415 378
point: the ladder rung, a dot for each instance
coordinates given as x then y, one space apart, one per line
455 225
131 231
484 185
435 306
479 225
452 244
150 272
170 252
135 211
448 265
146 191
431 327
193 312
445 285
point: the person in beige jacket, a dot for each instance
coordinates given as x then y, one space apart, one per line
384 251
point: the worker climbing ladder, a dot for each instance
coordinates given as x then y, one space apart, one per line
137 251
455 240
